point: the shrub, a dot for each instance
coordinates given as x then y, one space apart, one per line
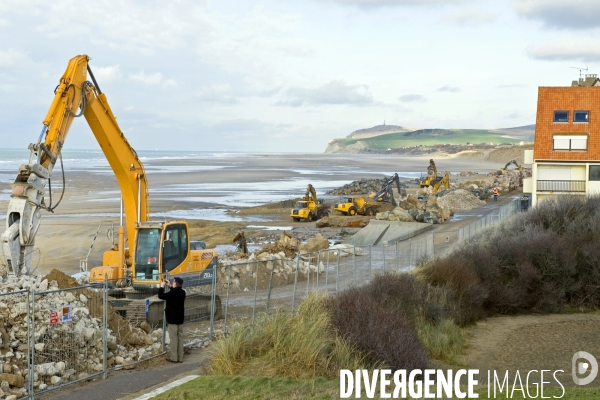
380 332
540 261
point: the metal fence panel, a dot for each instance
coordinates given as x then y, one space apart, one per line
68 336
14 337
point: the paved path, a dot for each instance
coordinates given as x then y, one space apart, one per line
129 384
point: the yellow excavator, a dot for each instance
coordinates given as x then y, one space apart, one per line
443 182
505 169
309 208
431 177
156 248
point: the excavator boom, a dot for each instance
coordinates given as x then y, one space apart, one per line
74 96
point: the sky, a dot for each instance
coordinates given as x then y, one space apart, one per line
289 75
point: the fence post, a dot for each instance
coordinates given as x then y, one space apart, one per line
105 329
296 281
32 359
213 299
354 262
370 263
397 261
383 251
308 275
227 298
318 267
164 327
337 277
30 344
327 271
270 284
255 290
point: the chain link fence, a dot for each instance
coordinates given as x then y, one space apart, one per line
51 337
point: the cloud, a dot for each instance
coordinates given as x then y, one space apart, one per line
155 79
107 74
512 86
393 3
470 16
334 92
571 49
412 98
127 24
13 59
448 88
218 94
561 14
514 115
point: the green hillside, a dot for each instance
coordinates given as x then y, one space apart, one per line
430 137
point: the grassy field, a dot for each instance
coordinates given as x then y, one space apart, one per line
429 137
241 387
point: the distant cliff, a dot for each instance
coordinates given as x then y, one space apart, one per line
398 139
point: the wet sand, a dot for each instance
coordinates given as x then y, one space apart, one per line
91 198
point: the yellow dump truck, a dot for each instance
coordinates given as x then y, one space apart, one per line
357 205
309 208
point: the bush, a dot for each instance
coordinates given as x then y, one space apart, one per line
539 261
380 332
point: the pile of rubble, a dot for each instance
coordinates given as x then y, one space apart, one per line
358 187
241 272
435 210
458 200
82 334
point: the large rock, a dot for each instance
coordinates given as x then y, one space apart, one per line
319 242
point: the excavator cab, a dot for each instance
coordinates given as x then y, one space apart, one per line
174 255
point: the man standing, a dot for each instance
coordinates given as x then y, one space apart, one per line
174 311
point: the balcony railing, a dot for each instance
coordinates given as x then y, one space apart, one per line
561 186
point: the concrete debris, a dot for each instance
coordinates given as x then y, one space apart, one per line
83 333
458 200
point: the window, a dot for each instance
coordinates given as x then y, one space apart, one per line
174 246
570 142
561 116
580 116
594 172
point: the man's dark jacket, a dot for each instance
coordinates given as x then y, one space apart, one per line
175 309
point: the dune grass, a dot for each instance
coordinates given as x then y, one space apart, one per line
304 345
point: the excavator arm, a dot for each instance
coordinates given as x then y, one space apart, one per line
73 97
311 194
387 188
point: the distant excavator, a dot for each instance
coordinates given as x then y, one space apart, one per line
240 242
386 194
505 169
309 208
432 179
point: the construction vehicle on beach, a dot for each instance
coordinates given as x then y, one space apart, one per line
155 249
386 194
357 205
443 182
505 169
430 178
433 179
309 208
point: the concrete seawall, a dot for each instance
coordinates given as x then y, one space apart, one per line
378 232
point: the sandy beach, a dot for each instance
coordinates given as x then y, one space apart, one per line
203 189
